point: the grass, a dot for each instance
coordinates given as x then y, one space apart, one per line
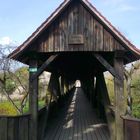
6 108
41 103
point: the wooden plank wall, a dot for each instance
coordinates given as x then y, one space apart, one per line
77 20
18 127
14 128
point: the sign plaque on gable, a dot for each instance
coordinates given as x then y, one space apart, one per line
76 40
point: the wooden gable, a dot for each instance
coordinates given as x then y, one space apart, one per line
75 26
77 29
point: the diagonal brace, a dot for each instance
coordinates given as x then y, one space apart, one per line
44 65
107 66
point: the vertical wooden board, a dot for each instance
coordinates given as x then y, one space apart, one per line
70 21
118 46
61 28
119 96
16 129
95 35
40 44
65 30
23 128
106 41
85 18
58 36
98 36
55 37
88 29
80 19
70 25
46 47
44 38
75 19
75 25
91 33
51 40
11 129
3 130
40 49
81 24
112 43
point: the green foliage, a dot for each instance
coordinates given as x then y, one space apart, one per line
135 91
136 110
110 88
23 75
10 85
6 108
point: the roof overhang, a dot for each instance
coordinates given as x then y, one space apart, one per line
122 39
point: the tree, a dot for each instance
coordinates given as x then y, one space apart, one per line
128 76
11 76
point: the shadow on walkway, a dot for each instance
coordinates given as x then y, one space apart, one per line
76 120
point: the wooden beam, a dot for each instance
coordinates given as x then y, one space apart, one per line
107 66
62 85
100 103
43 67
33 101
106 102
119 97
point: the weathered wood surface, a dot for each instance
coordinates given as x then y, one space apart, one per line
77 121
33 101
76 20
107 66
131 128
14 128
120 108
44 66
104 99
18 127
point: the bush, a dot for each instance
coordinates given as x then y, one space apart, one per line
7 108
10 85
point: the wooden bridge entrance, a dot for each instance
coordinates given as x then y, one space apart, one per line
77 42
77 121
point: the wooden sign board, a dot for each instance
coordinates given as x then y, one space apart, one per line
76 40
32 70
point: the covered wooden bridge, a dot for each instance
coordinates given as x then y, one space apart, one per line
75 43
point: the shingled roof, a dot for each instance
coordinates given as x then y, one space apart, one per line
58 11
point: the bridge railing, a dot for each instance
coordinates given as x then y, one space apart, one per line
18 127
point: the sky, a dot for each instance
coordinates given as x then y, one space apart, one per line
20 18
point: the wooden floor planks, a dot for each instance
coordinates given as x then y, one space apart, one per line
77 121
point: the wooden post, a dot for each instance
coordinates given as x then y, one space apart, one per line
100 105
119 95
62 85
106 103
95 94
92 90
33 100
